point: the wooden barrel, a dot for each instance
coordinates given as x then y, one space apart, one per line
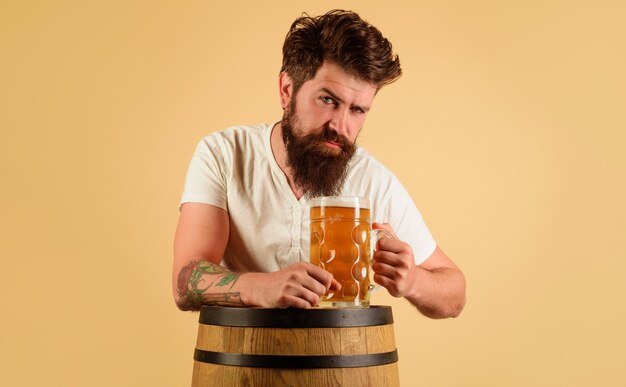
295 347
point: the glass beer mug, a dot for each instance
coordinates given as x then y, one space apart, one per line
342 242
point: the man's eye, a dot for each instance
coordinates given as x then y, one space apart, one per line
327 100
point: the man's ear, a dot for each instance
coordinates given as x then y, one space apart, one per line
285 87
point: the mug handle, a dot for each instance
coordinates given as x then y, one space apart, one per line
375 236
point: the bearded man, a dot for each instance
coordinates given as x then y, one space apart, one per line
243 234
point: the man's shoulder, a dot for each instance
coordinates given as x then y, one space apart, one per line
237 137
367 172
365 161
239 133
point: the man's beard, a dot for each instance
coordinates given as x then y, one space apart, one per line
317 169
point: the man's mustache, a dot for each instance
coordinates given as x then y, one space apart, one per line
328 134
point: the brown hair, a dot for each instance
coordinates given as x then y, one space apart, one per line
341 37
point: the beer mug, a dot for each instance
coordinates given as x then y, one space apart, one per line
343 242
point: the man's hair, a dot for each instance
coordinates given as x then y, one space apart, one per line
341 37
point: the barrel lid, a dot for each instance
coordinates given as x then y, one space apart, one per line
296 318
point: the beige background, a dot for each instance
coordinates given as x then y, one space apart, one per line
507 128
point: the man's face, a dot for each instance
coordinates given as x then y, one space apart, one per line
320 126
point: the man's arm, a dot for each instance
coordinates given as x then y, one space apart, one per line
199 245
436 287
198 279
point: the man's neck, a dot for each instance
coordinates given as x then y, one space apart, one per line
280 155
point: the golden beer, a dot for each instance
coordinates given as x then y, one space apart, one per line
340 244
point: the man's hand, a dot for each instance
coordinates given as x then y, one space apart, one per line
436 287
394 264
300 286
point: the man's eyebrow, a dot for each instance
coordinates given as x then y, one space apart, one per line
340 100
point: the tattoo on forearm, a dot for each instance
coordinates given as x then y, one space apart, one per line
195 280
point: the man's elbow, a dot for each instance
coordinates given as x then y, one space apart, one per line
437 313
179 304
184 305
451 308
459 305
457 308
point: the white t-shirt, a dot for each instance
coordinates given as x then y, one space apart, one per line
269 228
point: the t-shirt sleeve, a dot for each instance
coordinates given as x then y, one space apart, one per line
408 222
413 230
206 175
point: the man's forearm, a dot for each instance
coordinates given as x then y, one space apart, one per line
205 283
439 293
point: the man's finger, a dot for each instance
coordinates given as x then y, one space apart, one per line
387 257
391 245
296 302
320 275
312 284
384 269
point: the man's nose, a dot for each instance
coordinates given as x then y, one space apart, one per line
339 122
